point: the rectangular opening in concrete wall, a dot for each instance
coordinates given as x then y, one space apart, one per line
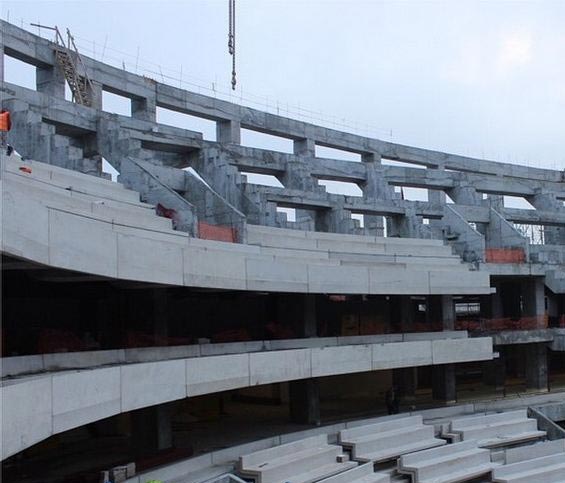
109 169
412 194
289 212
68 92
360 218
341 187
449 200
517 202
534 233
262 179
185 121
19 73
256 139
116 104
402 164
334 153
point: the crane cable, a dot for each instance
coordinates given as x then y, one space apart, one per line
231 41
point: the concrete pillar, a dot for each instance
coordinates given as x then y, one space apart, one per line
1 64
50 80
536 367
494 372
305 147
496 202
228 132
160 315
464 194
144 109
151 428
533 297
443 383
441 308
95 93
310 320
304 401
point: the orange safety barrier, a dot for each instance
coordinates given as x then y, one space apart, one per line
5 121
216 232
505 255
505 323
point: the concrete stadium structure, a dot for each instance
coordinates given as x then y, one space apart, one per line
124 303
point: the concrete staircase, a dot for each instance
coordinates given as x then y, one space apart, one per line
448 464
305 461
546 469
389 439
495 430
93 197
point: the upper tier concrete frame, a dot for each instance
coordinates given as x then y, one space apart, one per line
476 221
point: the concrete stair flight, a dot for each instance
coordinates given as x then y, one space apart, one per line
390 439
449 464
494 430
547 469
304 461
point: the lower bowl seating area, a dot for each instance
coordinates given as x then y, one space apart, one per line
407 450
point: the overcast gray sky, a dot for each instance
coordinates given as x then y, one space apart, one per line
485 79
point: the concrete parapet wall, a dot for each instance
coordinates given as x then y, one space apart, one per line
72 398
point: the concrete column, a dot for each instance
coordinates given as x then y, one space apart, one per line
144 109
50 80
160 314
464 194
151 428
1 64
304 401
228 132
95 93
533 297
441 309
496 202
310 320
494 372
536 367
305 147
443 383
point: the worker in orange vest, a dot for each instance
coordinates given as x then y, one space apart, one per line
5 126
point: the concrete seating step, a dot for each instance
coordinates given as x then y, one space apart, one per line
547 469
306 460
360 474
395 452
106 210
69 179
498 429
389 439
531 451
450 463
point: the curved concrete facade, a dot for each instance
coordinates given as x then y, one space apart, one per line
41 405
69 220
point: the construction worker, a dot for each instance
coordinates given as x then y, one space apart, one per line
5 126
